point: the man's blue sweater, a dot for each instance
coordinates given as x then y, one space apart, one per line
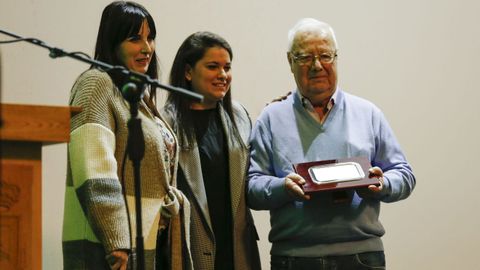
284 134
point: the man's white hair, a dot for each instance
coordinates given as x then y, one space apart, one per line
310 25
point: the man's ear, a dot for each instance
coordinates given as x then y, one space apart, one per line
188 72
290 60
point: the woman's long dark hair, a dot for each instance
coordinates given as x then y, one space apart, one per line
190 52
121 20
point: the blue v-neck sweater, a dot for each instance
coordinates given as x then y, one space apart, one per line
285 134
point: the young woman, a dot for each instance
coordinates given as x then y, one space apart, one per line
99 225
213 138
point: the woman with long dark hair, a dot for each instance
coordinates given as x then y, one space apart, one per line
213 157
99 229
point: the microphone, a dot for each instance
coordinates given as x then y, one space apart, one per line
132 93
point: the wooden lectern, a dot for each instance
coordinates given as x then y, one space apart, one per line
23 131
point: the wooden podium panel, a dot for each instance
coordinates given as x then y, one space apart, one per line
23 131
20 212
36 123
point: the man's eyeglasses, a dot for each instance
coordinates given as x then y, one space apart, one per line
308 59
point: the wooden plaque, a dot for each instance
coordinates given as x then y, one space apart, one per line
336 179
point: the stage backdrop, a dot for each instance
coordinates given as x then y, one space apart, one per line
417 60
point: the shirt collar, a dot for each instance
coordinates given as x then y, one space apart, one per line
308 105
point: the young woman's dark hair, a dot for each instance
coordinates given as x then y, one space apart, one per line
190 52
121 20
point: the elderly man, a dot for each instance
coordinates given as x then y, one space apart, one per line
319 121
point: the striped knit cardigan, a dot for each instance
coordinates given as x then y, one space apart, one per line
97 214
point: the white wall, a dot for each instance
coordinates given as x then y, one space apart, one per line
417 60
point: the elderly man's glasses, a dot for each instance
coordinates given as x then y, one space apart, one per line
308 59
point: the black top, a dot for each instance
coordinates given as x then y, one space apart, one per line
212 146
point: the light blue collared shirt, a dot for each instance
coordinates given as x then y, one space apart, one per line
311 109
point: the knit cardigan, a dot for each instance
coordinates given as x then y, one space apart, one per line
99 201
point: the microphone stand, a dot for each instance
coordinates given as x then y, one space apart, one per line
133 92
131 75
136 151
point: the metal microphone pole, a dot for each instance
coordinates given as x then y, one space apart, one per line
136 151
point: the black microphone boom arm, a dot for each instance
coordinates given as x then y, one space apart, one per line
131 75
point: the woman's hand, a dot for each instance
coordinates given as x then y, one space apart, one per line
118 259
